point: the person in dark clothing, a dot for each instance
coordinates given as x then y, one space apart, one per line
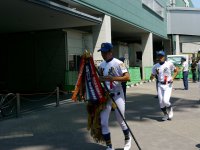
156 77
123 83
194 70
198 68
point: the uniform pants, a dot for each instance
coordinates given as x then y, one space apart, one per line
164 94
105 114
185 80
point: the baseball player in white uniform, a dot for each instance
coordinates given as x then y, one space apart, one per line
163 70
113 72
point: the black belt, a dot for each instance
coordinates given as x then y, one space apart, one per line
165 82
114 94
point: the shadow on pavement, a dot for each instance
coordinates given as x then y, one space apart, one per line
64 127
138 108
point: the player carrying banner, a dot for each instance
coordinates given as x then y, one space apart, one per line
113 72
101 98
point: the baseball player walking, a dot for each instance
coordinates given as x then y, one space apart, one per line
163 70
113 72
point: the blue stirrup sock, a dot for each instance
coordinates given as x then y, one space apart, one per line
126 134
164 110
107 140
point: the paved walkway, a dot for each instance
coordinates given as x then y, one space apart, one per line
64 127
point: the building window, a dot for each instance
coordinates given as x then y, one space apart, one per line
74 62
154 6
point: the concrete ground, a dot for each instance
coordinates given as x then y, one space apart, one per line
64 127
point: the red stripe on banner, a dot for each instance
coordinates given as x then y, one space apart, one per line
79 80
111 85
96 82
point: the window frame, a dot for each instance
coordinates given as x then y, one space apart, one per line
151 4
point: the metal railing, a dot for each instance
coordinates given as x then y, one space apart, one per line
12 104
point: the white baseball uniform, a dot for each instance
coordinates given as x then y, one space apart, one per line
164 74
114 67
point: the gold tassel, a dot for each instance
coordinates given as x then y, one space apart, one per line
94 121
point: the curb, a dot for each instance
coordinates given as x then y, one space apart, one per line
140 83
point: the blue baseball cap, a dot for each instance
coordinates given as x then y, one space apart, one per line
105 47
161 53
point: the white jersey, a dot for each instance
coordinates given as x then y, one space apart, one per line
185 66
113 68
164 71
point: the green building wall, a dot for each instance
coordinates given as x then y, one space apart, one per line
133 12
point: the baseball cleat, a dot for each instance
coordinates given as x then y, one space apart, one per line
108 148
127 145
166 117
170 113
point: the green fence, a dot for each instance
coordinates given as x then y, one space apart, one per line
147 73
70 80
180 73
135 75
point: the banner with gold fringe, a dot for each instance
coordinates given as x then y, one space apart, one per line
89 87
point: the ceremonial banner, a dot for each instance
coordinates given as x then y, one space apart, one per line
89 86
88 80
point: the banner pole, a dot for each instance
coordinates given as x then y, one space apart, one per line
119 112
